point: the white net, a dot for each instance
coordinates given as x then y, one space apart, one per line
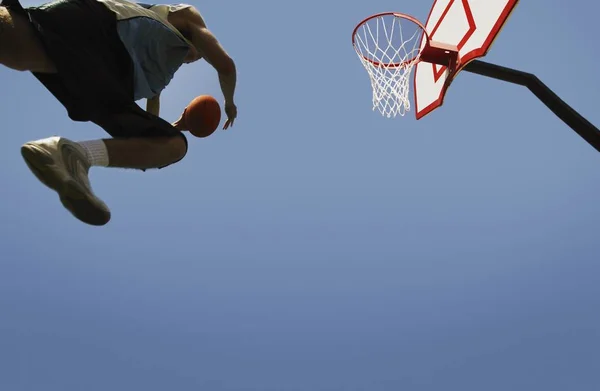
389 47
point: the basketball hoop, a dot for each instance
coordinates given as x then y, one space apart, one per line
389 45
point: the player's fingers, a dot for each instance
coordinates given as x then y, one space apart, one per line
229 123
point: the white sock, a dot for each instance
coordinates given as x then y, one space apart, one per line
96 152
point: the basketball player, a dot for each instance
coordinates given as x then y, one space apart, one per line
98 57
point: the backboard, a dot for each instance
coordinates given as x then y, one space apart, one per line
471 26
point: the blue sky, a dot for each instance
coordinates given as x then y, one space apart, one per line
317 245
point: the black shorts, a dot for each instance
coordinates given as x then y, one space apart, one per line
95 72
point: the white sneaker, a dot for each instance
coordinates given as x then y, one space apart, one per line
62 165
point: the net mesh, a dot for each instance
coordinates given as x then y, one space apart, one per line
389 47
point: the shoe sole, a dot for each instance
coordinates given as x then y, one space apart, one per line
72 195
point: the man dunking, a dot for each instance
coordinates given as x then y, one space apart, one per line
98 57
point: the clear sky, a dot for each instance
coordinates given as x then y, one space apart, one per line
317 246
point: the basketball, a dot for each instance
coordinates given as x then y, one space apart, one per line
202 116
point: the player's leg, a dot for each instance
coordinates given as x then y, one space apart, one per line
20 47
145 153
63 166
142 141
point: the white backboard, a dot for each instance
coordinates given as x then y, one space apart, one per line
471 25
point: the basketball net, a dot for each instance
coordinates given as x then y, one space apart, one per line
389 55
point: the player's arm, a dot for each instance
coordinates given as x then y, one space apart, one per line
153 105
209 47
215 55
212 51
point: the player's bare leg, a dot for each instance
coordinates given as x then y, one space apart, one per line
20 48
63 166
145 153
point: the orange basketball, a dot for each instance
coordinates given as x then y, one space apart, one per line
202 116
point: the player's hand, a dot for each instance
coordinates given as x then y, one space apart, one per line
179 125
231 111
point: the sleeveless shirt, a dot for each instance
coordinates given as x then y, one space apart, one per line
156 47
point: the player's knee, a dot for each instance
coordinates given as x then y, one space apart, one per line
6 26
176 148
4 22
20 47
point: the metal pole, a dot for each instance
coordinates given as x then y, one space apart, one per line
578 123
